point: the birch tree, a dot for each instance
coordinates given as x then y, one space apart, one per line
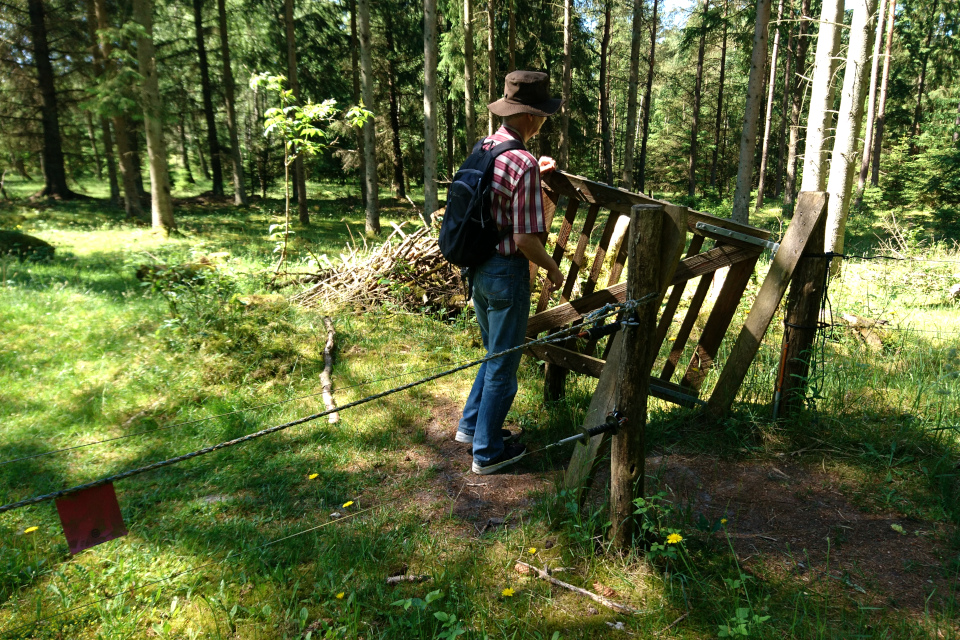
877 141
768 124
849 119
814 177
162 205
871 107
748 138
798 89
430 197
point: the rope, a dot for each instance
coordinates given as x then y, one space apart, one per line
558 336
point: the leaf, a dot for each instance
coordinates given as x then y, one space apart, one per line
267 610
604 590
440 615
434 595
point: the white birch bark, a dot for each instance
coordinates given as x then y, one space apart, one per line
162 205
748 138
850 117
768 120
430 197
369 127
814 176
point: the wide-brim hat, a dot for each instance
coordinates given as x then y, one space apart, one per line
526 92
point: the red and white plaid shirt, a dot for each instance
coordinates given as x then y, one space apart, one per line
516 196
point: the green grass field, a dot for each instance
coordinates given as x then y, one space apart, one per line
243 543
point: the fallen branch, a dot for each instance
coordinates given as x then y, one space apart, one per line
607 602
325 379
409 578
673 624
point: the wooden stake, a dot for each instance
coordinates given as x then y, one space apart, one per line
325 378
800 322
627 451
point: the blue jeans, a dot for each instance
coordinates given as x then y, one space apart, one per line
501 299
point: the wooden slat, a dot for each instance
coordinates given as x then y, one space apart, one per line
717 323
811 206
602 247
562 237
666 319
621 200
689 320
577 260
550 200
689 268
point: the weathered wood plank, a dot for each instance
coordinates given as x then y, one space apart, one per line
811 206
602 247
666 318
577 261
686 326
562 237
689 268
621 200
717 323
550 200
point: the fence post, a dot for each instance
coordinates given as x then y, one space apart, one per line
639 338
800 324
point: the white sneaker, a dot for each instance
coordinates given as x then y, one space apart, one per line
506 434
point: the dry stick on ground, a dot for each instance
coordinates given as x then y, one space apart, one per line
607 602
325 375
409 578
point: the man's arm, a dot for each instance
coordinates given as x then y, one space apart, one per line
532 247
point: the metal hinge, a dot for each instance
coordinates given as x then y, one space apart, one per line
736 235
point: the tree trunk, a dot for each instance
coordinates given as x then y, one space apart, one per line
197 137
110 161
300 176
153 118
431 199
567 81
814 177
468 82
784 104
956 125
491 62
239 188
88 119
768 123
355 66
748 138
98 71
641 182
882 106
512 34
133 135
849 119
54 172
205 90
630 138
398 180
695 128
605 97
132 205
871 108
719 123
797 91
184 154
448 121
922 86
369 130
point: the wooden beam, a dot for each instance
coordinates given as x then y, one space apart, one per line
579 252
811 206
621 200
689 268
562 237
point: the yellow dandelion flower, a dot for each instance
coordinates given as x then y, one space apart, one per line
313 476
532 550
723 521
340 595
674 538
30 529
347 503
507 593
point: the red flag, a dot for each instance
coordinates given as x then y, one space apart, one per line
90 517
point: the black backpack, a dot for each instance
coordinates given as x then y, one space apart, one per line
468 233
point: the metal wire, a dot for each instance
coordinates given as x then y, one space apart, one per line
558 336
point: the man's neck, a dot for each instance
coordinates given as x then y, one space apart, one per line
516 131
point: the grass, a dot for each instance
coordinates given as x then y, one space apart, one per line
89 352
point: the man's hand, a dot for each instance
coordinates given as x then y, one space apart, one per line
555 277
547 164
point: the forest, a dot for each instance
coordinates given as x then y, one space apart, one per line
218 218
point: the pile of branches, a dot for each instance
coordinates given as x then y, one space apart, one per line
406 271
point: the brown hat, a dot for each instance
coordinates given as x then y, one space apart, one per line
526 92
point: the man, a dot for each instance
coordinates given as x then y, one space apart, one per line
501 285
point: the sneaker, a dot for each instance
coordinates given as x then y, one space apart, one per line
506 434
511 453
